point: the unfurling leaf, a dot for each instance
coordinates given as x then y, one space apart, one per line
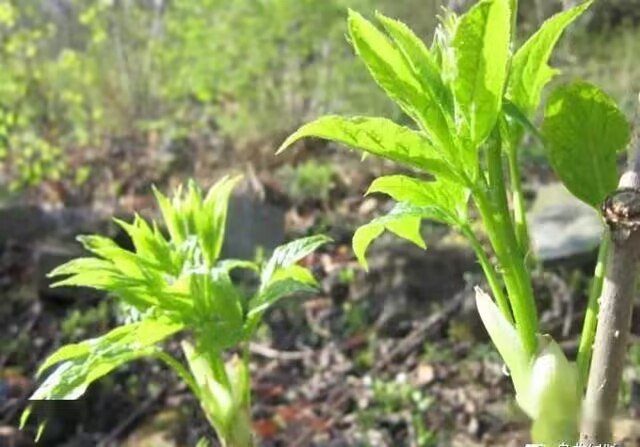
530 70
583 130
393 71
405 225
481 52
547 385
421 60
287 255
282 277
178 283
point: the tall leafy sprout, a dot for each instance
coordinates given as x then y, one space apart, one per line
179 284
472 97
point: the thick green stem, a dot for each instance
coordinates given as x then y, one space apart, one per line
489 273
492 205
591 316
497 187
512 139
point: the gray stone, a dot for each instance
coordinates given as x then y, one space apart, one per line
562 227
252 224
21 223
27 223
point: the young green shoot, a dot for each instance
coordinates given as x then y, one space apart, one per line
181 287
472 96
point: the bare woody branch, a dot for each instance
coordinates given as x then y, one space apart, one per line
622 214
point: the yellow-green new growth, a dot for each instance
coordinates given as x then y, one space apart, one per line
471 96
179 285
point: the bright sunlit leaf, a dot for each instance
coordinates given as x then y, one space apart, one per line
481 49
378 136
530 71
584 130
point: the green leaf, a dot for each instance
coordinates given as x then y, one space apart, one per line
422 62
66 352
295 272
450 198
404 225
404 220
218 306
24 417
530 70
189 215
381 137
136 284
287 255
95 273
438 200
150 244
95 266
170 216
212 217
390 69
385 62
124 260
228 265
583 130
83 363
366 234
282 277
481 52
277 290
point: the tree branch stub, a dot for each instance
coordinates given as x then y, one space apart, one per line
621 211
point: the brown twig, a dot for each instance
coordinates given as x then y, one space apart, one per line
622 214
286 356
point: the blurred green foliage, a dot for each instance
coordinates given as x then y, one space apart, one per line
79 74
79 324
311 180
609 58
